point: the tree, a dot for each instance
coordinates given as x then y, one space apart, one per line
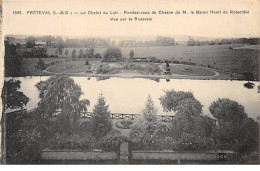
66 52
132 54
226 110
98 55
60 44
190 128
112 52
41 65
80 53
171 99
30 42
235 131
167 64
86 55
150 111
13 62
61 93
147 132
100 121
12 98
249 76
41 53
188 119
73 53
91 52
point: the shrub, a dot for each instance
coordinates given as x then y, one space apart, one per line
124 124
192 142
72 141
112 141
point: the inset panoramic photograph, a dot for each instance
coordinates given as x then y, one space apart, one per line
130 101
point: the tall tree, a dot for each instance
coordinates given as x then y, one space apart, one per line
12 97
131 54
226 110
80 53
235 130
13 62
73 53
112 52
91 52
61 93
100 121
146 132
150 111
171 99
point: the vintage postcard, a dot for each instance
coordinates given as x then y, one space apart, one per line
130 82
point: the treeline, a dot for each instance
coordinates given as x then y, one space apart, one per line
160 41
57 42
251 41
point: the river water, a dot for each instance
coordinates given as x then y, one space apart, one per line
128 95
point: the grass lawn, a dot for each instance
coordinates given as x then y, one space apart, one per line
30 63
190 70
70 67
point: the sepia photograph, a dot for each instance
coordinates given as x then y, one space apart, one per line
123 83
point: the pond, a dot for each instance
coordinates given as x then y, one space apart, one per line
128 95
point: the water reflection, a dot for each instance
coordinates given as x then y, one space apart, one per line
129 95
249 85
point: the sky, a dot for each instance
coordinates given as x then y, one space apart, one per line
209 25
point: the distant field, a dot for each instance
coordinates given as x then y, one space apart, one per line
235 57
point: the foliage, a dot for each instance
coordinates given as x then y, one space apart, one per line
131 54
66 52
235 131
100 121
41 65
40 53
193 142
190 129
26 138
112 141
171 99
91 52
147 132
71 142
167 64
112 52
124 124
61 93
12 98
98 55
30 42
73 53
147 135
80 53
226 110
150 111
12 61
